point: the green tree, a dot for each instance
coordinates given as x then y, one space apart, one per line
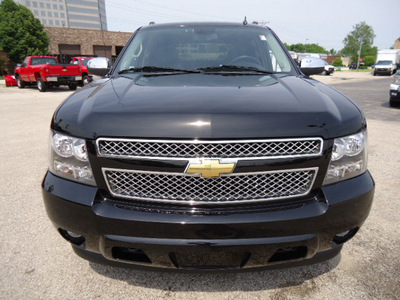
338 62
361 35
21 34
309 48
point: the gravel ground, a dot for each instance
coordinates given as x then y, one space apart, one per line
36 263
348 76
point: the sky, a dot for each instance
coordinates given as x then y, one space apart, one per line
321 22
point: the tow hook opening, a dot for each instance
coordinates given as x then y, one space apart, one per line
288 253
130 254
341 238
72 237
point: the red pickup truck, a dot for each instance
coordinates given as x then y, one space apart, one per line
45 71
82 62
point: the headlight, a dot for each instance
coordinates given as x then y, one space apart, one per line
349 158
69 158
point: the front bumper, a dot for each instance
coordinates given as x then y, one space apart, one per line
118 232
394 94
383 71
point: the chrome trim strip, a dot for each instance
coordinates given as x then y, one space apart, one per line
207 142
104 170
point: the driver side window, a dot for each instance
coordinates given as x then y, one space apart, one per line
25 62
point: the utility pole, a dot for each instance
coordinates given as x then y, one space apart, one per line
359 52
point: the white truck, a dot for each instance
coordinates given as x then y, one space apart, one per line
387 62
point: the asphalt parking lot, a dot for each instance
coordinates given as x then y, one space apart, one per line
36 263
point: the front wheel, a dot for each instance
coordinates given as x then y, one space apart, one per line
86 79
20 83
72 86
42 86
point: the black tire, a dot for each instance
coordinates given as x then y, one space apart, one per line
86 79
72 86
20 83
41 85
374 73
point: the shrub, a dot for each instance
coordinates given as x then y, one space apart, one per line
369 60
337 62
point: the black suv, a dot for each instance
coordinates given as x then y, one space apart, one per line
206 147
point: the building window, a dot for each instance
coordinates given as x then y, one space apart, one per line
44 21
36 13
57 22
28 3
49 14
43 13
62 15
48 5
41 4
35 4
56 15
55 6
61 7
50 22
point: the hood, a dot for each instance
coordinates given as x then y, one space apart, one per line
208 107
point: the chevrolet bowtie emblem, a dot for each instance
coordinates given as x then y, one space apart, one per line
210 168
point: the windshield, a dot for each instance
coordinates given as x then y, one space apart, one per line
384 62
206 47
44 61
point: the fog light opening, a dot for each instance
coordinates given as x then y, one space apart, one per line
72 237
344 236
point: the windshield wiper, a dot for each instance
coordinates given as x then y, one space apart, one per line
154 69
233 68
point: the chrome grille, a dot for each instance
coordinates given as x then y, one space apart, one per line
244 149
192 189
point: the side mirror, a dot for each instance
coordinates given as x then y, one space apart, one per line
312 65
99 66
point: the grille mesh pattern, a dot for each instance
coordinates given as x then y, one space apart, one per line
182 149
181 188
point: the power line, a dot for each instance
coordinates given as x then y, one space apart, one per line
175 9
151 12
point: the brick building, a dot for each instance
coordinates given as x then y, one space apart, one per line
66 43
